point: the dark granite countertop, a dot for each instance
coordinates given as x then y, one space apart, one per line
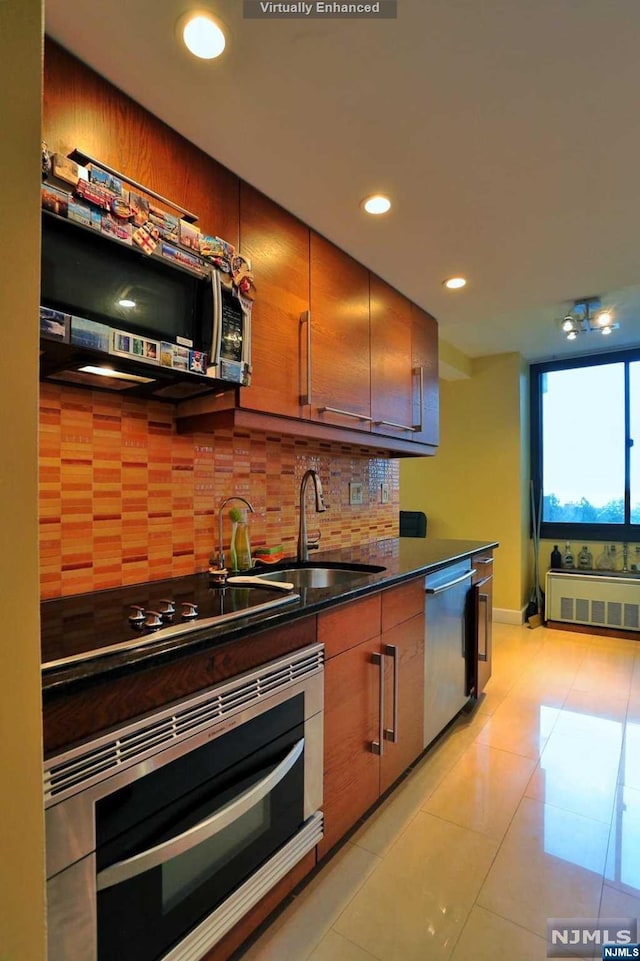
401 558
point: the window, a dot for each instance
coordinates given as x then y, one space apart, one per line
585 413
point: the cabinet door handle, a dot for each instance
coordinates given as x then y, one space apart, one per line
305 318
420 372
484 560
482 655
345 413
389 423
391 651
377 747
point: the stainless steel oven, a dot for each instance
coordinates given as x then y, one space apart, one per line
163 834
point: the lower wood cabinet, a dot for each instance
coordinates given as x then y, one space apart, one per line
373 701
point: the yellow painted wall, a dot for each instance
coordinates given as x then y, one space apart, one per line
22 923
476 485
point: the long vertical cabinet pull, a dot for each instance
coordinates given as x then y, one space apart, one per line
420 372
305 318
484 599
391 734
377 747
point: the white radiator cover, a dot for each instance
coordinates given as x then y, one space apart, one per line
593 599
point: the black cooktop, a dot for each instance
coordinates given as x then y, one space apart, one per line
93 625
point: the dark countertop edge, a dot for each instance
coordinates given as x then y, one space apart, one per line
63 681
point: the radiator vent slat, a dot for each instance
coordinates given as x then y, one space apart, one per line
74 770
632 616
566 608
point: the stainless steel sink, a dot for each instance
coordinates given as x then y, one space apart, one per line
311 575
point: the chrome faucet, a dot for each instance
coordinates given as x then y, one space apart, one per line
304 544
234 497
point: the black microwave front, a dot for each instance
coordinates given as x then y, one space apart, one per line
116 318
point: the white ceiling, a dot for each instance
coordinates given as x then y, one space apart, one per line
507 133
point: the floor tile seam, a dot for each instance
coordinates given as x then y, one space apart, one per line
503 917
397 837
519 754
579 814
490 748
610 836
355 944
307 893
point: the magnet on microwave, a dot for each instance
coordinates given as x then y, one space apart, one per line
68 170
197 362
146 237
121 208
167 224
54 325
79 212
57 201
189 236
116 229
139 208
94 194
102 177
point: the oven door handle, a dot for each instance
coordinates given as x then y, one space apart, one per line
139 863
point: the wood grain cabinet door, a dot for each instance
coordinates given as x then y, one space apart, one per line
403 652
392 380
278 247
338 355
351 769
424 334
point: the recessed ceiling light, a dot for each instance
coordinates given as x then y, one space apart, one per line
125 302
572 335
376 204
203 36
606 331
454 283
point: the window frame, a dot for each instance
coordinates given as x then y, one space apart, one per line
556 530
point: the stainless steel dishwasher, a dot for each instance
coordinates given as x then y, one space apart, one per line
445 650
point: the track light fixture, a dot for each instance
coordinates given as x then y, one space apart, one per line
587 316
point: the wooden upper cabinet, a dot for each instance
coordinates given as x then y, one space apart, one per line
278 247
392 382
424 335
336 361
83 110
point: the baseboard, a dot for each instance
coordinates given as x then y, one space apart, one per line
505 616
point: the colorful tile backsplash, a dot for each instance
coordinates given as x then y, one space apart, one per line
125 499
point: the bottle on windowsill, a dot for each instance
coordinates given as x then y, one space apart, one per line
556 557
585 559
604 560
567 558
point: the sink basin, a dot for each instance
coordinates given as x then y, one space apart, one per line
321 575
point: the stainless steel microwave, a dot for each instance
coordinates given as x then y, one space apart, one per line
116 318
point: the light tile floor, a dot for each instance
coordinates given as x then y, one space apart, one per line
528 808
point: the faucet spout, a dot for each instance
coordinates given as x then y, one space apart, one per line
304 546
234 497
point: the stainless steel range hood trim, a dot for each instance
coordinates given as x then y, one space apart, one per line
166 633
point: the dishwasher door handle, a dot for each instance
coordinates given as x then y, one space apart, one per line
449 584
